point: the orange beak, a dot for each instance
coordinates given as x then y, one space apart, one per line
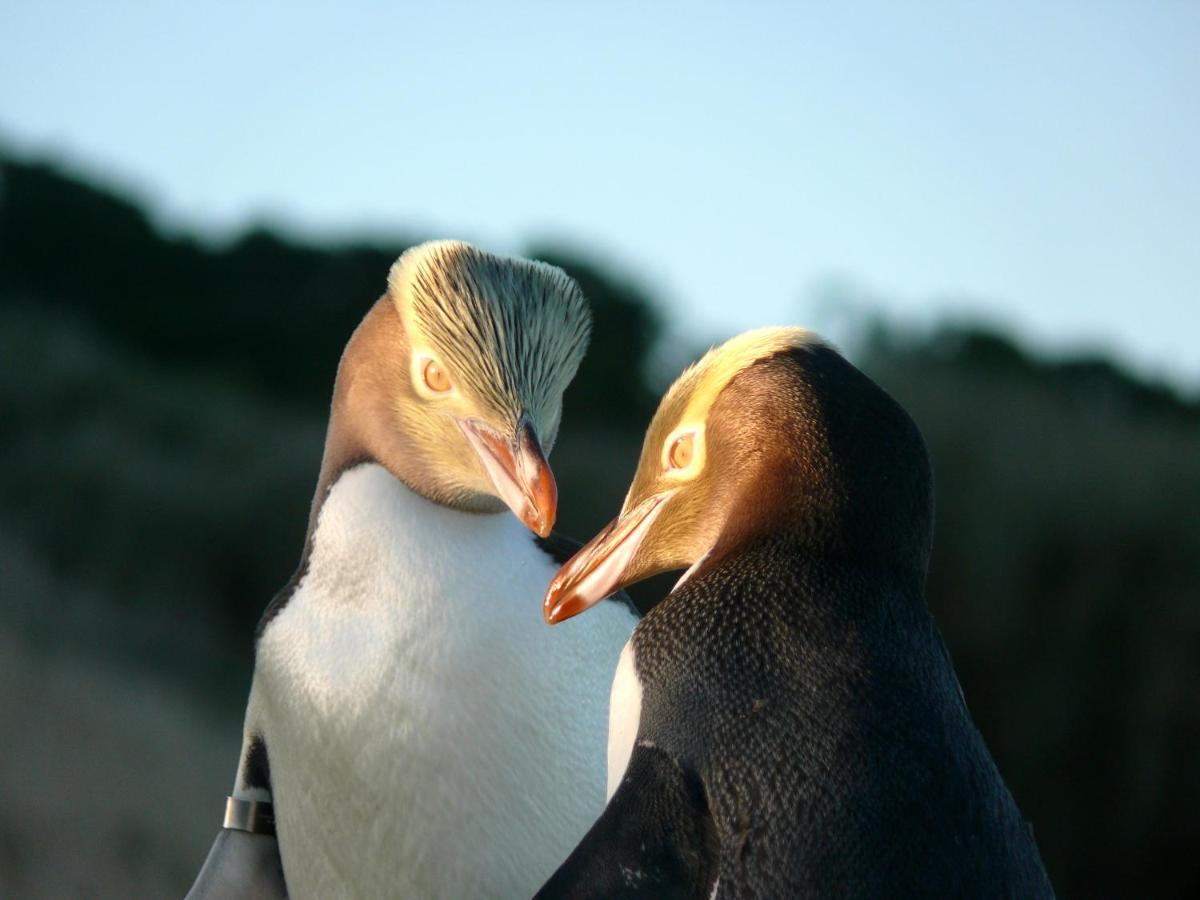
601 566
518 470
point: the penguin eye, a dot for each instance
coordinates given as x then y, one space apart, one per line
680 454
435 377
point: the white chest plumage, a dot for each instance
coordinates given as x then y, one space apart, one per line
624 717
428 734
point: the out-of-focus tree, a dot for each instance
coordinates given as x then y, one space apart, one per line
274 311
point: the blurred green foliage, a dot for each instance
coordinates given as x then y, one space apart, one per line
161 418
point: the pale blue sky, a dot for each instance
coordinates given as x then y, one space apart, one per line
1032 162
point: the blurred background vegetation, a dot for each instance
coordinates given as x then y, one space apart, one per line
162 404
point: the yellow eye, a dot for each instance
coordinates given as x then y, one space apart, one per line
435 377
680 454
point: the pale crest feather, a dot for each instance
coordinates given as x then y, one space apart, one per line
511 330
704 380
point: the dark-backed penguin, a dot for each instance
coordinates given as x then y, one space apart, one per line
786 722
400 731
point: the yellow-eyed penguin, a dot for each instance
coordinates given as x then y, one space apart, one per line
399 722
786 722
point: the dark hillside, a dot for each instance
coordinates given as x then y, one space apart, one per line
268 309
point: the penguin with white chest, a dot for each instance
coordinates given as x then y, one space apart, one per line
786 722
398 725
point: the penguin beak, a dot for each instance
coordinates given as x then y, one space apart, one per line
518 470
601 566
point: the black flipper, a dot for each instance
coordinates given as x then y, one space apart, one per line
654 839
241 866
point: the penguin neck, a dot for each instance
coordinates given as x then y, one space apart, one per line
817 590
808 525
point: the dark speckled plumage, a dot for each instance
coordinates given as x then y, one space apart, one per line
802 732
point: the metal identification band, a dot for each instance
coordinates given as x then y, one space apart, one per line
254 816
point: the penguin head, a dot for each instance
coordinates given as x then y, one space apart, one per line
770 435
467 367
